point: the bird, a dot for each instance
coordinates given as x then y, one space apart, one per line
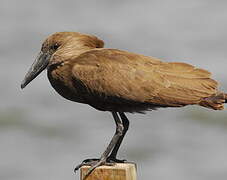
80 69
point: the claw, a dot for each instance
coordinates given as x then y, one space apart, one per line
92 168
86 162
96 162
78 167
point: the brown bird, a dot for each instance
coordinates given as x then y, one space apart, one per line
81 70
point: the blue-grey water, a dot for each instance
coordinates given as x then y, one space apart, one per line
43 136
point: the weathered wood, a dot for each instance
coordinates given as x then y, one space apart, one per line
119 171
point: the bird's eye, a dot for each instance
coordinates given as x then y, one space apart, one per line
54 47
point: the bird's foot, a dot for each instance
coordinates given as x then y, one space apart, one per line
115 160
94 163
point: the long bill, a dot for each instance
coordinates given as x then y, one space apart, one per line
37 67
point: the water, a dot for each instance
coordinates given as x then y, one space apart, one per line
43 136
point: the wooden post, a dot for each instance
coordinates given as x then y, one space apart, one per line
119 171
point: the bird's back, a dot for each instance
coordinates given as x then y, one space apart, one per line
116 78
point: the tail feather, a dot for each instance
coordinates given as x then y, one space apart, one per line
215 102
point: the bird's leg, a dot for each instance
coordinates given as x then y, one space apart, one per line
104 156
113 154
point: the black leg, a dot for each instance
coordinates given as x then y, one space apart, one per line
125 123
104 156
116 137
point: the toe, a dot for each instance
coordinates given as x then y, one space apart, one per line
115 160
94 166
86 162
90 160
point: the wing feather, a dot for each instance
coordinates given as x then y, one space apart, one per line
143 79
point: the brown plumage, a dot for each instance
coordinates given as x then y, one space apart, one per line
81 70
114 80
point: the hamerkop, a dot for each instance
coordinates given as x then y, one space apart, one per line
81 70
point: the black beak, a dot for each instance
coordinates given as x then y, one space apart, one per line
37 67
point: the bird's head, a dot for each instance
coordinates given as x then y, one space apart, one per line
50 46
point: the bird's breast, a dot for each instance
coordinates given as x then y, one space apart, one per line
61 80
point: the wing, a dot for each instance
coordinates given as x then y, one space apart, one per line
142 79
